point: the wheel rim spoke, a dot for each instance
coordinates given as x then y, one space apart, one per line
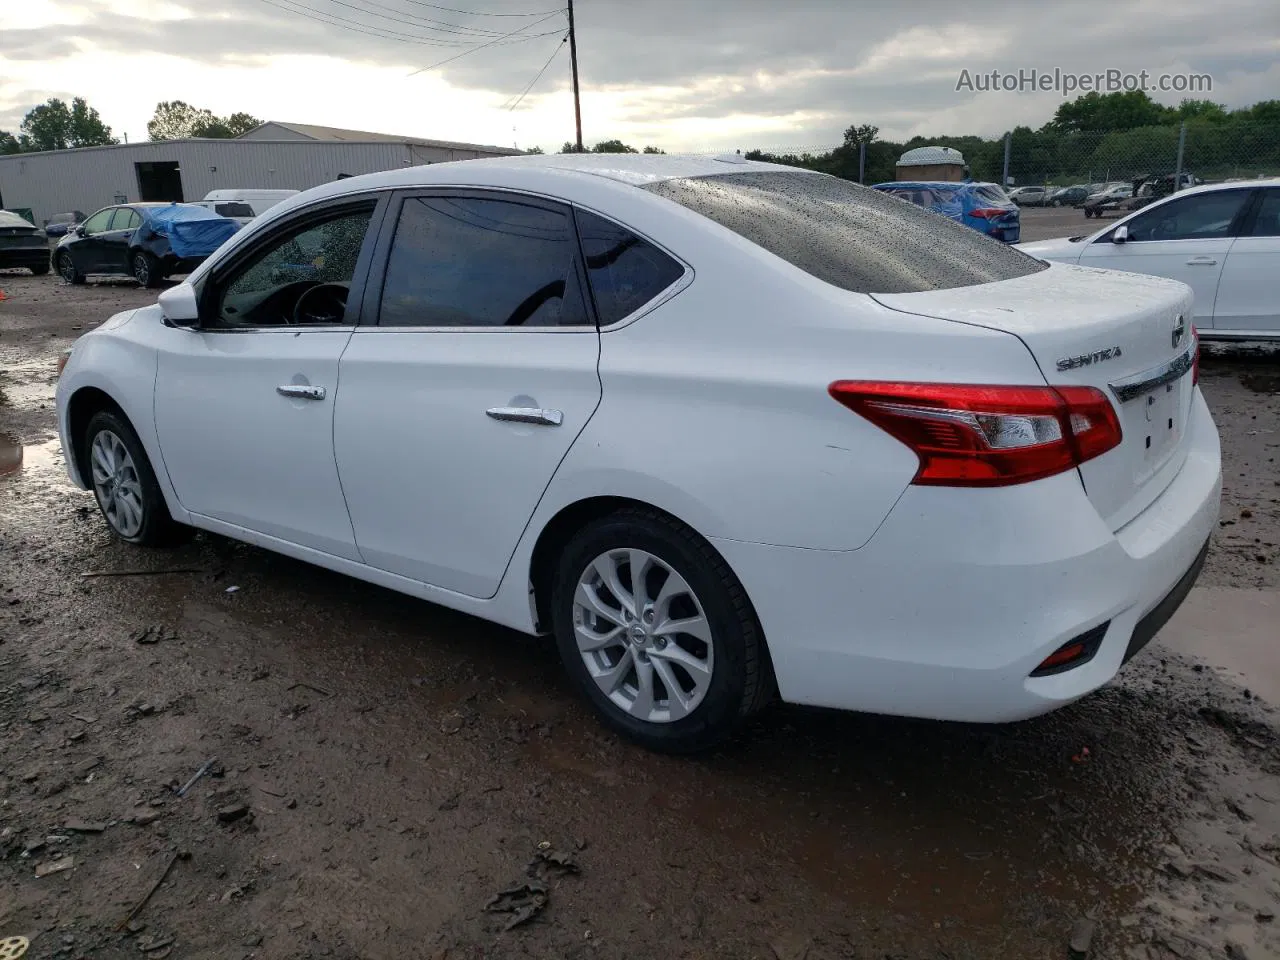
116 484
650 651
693 626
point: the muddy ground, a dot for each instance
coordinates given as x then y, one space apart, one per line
385 767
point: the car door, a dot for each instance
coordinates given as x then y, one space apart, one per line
244 403
1247 297
1183 238
458 405
87 249
114 242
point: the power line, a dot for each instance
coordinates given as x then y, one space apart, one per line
385 33
538 76
504 36
478 13
427 23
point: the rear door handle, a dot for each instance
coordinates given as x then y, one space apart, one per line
300 391
1202 261
548 418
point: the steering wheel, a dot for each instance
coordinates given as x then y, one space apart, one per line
325 304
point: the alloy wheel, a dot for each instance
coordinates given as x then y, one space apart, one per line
141 269
116 484
66 269
643 635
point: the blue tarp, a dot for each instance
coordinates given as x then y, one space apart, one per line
192 231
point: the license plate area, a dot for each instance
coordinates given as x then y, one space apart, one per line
1153 420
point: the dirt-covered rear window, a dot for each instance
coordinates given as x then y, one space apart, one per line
847 234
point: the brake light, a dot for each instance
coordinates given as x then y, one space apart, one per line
1195 358
988 213
987 436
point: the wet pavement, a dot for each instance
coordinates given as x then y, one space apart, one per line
383 767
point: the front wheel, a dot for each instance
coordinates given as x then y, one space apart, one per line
125 485
67 269
657 632
145 269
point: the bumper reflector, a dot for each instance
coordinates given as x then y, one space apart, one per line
1074 653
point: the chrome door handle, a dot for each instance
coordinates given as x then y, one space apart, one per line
299 391
548 418
1202 261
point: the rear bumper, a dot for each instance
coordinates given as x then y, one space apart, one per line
24 257
961 594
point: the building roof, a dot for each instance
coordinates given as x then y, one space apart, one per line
928 156
314 132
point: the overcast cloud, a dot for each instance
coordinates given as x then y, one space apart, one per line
682 74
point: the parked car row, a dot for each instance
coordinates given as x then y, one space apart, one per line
147 241
792 437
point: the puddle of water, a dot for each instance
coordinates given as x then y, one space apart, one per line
15 457
1234 630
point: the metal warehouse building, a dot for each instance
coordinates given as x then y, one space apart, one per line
273 155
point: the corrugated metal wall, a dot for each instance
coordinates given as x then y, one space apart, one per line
94 177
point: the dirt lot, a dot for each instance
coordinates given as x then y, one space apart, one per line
382 768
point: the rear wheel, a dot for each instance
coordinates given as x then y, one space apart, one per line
67 269
124 484
145 269
658 633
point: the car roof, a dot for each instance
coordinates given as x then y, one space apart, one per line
927 184
1233 185
547 171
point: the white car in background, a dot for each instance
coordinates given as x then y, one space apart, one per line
1222 240
724 428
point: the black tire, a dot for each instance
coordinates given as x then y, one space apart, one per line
145 269
40 269
158 528
67 269
742 679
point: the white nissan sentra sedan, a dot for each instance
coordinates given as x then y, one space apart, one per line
727 430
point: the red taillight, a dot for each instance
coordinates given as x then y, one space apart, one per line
988 213
1195 359
987 436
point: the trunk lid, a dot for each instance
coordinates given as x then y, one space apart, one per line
1101 328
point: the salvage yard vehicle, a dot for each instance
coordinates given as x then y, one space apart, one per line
259 201
60 223
984 207
22 244
146 241
727 430
1222 240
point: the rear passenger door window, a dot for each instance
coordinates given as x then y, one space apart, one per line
478 261
625 271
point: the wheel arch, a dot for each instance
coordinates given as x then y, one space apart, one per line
81 406
565 524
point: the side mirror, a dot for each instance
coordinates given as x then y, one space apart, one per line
1121 234
180 306
79 229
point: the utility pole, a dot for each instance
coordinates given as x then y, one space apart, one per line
573 60
1004 177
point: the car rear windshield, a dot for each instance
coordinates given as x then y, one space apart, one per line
849 235
990 193
8 219
230 209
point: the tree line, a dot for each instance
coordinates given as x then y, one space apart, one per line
1094 137
57 125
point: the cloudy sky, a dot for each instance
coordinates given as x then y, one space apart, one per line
680 74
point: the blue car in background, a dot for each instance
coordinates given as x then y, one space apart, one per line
983 206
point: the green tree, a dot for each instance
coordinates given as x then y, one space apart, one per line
55 126
1200 110
652 150
571 147
179 120
1111 111
535 151
613 146
857 135
9 143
